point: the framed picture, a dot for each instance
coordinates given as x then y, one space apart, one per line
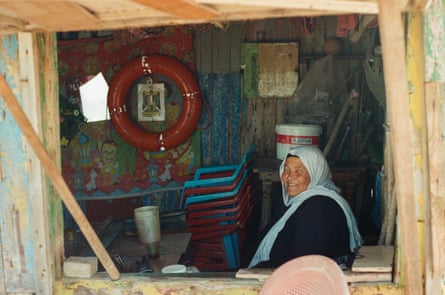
151 102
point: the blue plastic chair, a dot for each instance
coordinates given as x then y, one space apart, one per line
236 168
191 199
212 186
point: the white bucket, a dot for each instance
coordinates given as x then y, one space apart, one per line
148 227
288 135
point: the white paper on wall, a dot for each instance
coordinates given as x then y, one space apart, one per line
93 95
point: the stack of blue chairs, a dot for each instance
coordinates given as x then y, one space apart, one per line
220 203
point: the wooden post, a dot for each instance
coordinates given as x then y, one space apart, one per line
434 103
402 140
435 260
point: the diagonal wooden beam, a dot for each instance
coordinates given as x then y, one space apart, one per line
180 8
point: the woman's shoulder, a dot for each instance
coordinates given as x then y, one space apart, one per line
321 204
320 200
319 211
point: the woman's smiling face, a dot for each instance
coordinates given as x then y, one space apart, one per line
295 176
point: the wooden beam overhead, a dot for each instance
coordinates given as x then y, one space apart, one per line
80 15
345 6
50 15
12 23
180 8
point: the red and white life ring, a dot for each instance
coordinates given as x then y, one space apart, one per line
191 107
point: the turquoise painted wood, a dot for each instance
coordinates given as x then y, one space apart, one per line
17 253
218 60
220 142
434 42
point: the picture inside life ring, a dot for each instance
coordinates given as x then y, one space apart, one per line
155 109
155 102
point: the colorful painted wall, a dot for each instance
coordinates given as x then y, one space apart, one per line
97 163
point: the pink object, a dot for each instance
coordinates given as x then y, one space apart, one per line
346 23
307 275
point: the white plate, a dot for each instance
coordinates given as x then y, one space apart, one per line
174 268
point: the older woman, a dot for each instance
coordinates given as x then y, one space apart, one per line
317 219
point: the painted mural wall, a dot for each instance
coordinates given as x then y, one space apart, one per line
98 165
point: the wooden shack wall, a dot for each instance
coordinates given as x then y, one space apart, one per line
229 122
12 173
236 122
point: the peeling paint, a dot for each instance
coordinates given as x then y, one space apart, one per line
15 212
434 41
415 65
154 285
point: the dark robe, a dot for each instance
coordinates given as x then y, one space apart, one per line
318 226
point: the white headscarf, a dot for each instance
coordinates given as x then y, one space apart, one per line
320 184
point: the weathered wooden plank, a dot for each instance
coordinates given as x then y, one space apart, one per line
215 139
374 259
393 48
250 68
211 284
220 115
261 127
237 36
434 42
235 126
29 56
221 52
205 80
435 259
281 111
269 122
93 15
223 47
2 258
203 50
246 125
50 127
16 243
338 6
120 10
262 274
180 8
52 16
220 141
257 111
